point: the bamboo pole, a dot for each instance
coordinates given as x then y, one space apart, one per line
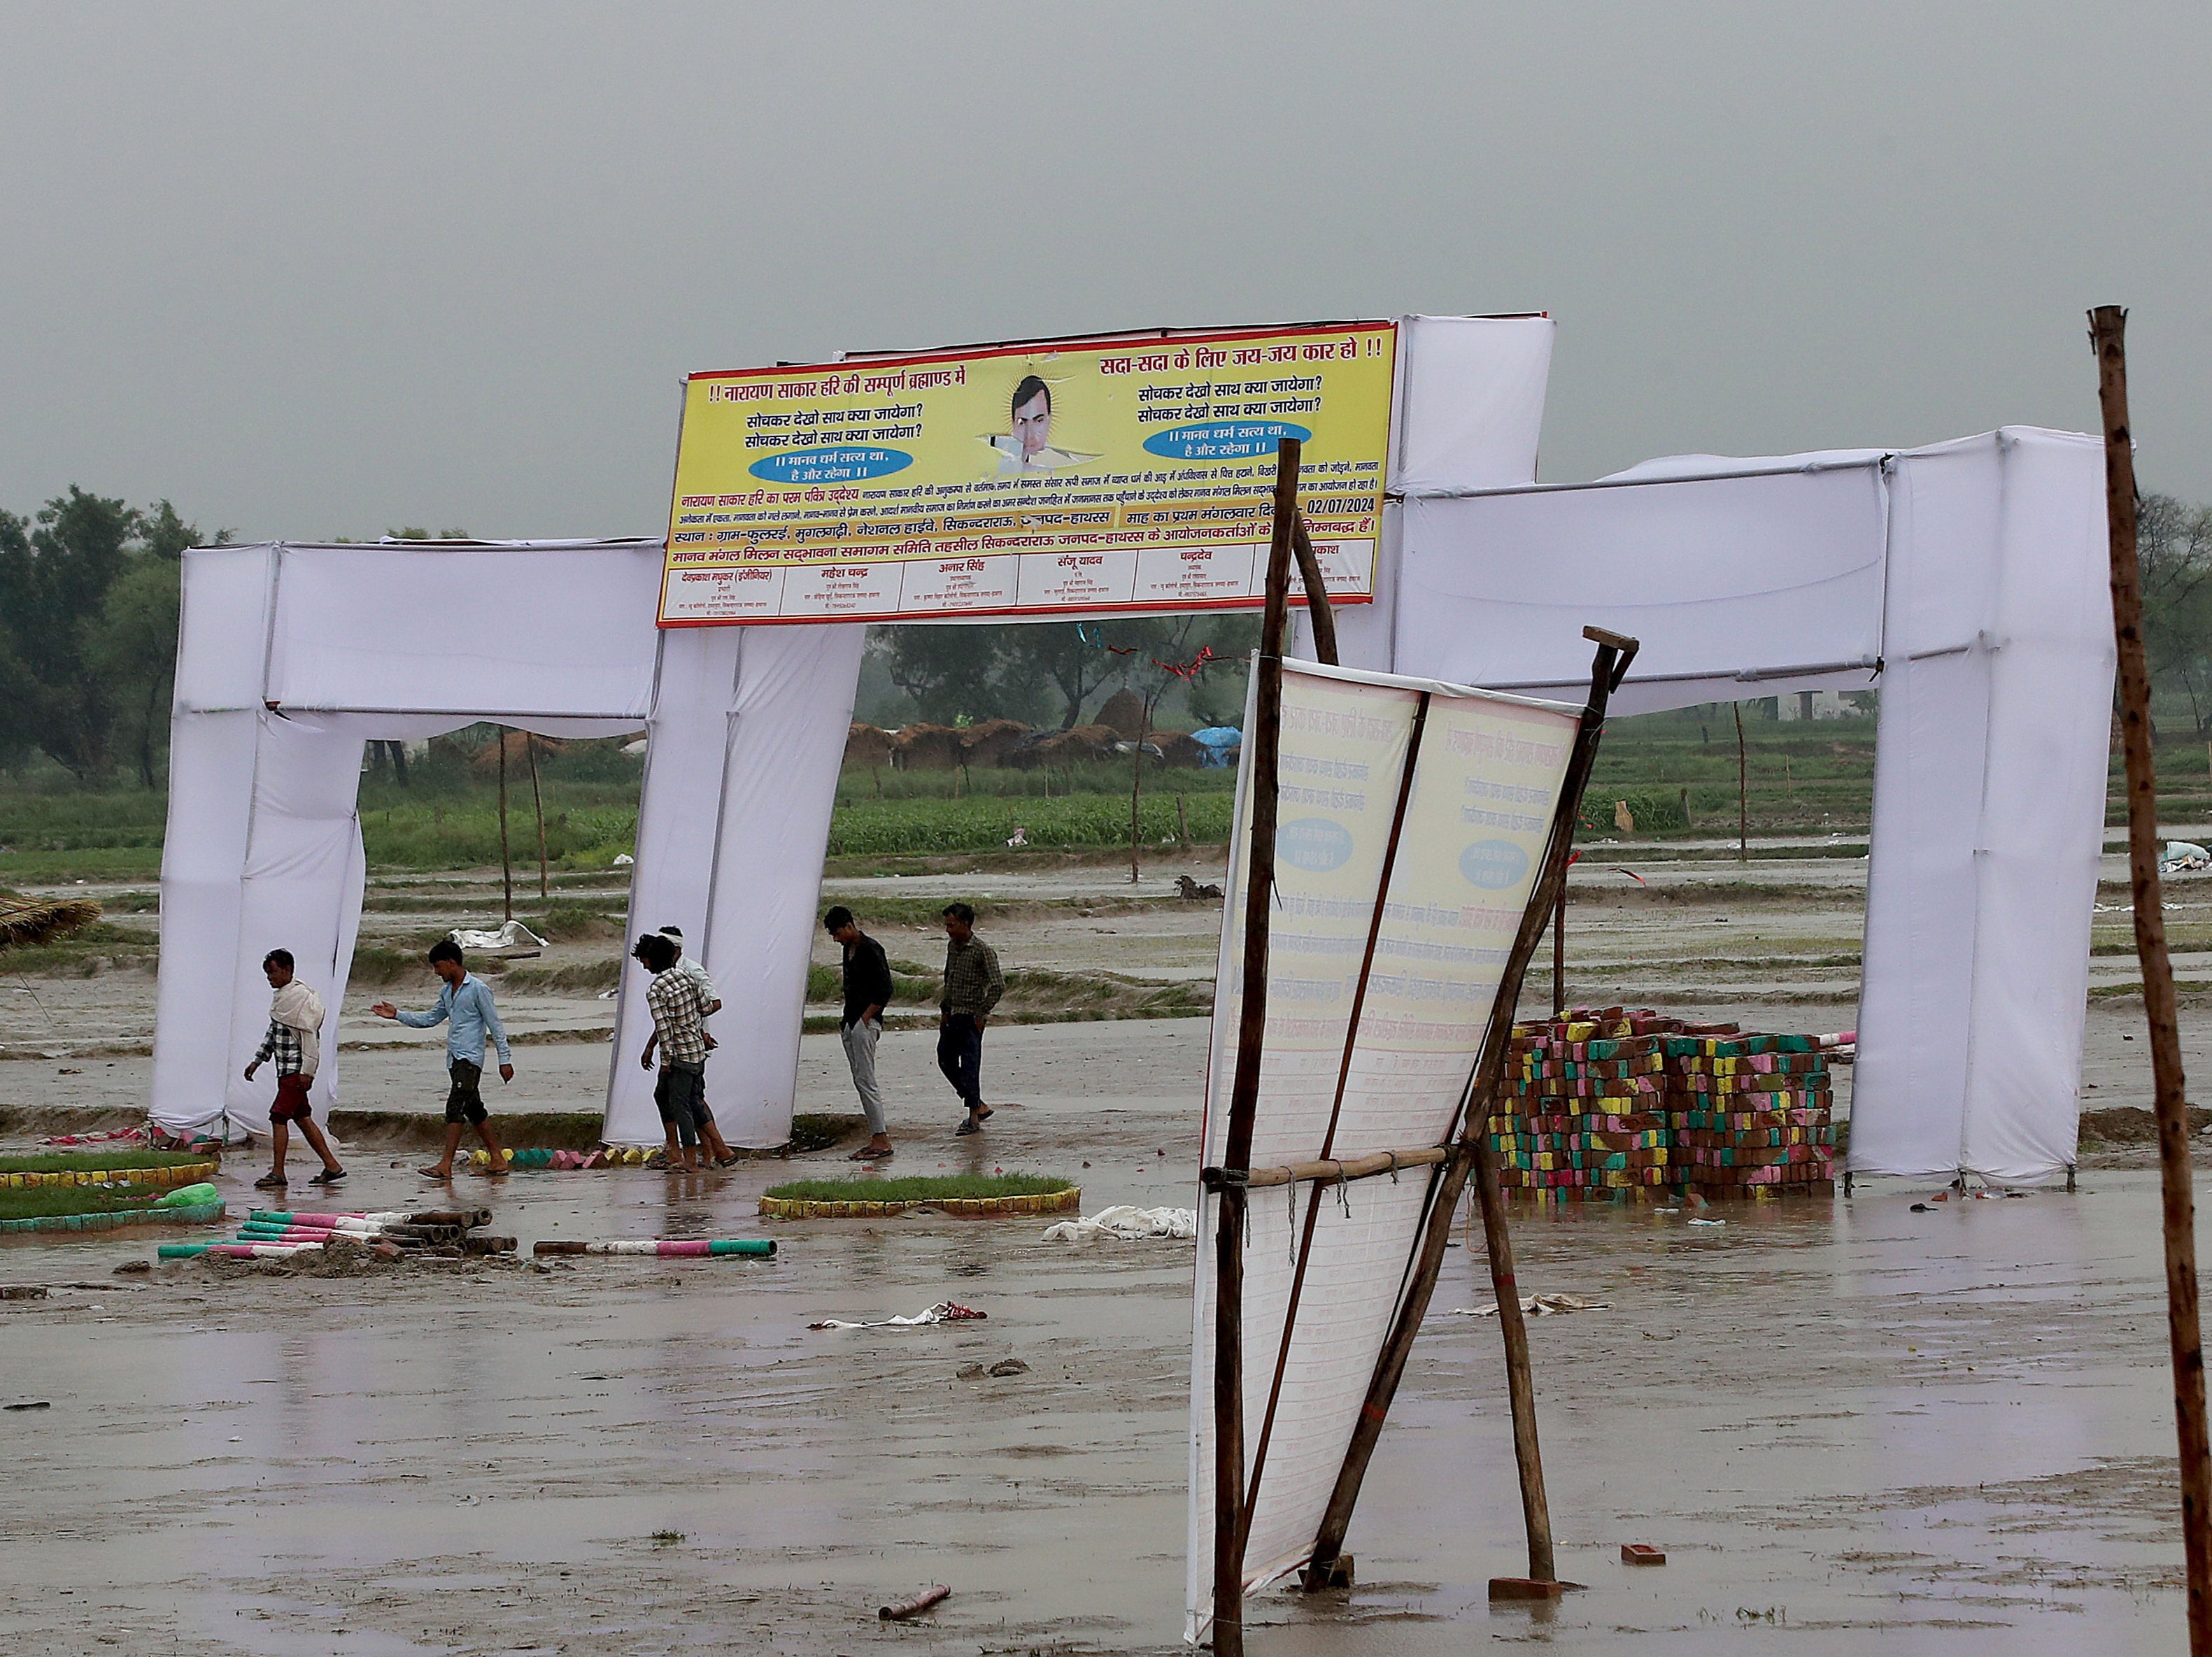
1743 790
1333 1170
1244 1092
506 862
537 799
1469 1156
2107 332
1559 953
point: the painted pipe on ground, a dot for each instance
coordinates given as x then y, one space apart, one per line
463 1217
361 1229
270 1234
236 1251
666 1247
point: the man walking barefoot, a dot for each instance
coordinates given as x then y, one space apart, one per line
467 1003
295 1046
868 992
973 984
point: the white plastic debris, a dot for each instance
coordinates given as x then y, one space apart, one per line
1126 1223
512 935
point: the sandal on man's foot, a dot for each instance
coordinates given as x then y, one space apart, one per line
328 1176
869 1154
436 1173
271 1182
973 1124
727 1161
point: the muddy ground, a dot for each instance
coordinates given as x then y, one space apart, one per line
1851 1426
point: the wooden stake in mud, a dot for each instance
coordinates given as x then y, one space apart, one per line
1742 791
1471 1156
2107 332
506 863
537 799
1244 1093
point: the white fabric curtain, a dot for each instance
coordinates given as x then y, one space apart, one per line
740 780
1990 787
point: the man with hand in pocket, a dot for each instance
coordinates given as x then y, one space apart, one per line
868 992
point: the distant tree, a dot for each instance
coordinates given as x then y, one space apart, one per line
2174 543
88 631
1059 654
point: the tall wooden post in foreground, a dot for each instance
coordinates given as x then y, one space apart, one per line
2107 332
1265 739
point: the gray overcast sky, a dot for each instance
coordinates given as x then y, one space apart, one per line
318 269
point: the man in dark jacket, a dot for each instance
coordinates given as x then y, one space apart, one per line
868 992
973 984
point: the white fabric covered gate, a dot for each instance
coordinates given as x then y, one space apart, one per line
1968 581
292 656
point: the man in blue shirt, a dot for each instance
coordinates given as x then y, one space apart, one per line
466 1001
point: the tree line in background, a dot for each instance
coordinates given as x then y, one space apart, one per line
1052 673
89 599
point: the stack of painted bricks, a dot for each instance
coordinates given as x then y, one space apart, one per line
1613 1101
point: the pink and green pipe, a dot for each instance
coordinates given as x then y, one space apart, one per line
236 1251
664 1247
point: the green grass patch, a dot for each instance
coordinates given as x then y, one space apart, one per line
37 1202
919 1188
56 1162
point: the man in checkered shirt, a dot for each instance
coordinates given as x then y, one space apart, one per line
679 1030
293 1045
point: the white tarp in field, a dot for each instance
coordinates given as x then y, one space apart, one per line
1486 787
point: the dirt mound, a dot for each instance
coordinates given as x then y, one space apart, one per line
2130 1125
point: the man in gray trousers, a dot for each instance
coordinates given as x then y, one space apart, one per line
868 992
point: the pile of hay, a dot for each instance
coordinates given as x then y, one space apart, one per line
25 920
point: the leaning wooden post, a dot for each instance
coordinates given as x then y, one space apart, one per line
2107 331
1319 616
1244 1091
537 799
1471 1156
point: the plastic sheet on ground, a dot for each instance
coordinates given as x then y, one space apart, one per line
943 1311
1535 1305
1125 1222
512 935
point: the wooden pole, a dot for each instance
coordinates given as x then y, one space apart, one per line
1559 953
537 799
506 862
1743 790
1136 786
1244 1092
2107 331
1471 1156
1319 616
